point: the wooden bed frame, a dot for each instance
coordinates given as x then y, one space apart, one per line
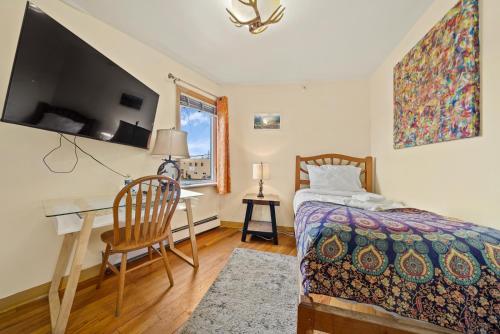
335 315
302 176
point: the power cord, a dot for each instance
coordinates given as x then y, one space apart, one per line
261 237
44 159
77 148
289 234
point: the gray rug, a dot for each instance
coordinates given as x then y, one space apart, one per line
256 292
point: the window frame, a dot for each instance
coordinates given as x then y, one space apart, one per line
186 91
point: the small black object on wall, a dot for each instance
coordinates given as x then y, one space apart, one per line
131 101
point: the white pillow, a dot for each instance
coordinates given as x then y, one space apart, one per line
56 122
337 178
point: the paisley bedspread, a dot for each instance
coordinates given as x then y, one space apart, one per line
411 262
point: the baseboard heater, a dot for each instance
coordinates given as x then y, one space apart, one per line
180 234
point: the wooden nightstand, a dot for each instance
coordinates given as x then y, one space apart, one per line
261 228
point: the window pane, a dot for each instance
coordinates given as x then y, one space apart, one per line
199 127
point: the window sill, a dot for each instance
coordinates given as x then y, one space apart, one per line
198 185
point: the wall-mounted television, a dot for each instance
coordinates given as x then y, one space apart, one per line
60 83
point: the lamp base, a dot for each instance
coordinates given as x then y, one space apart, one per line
169 168
261 186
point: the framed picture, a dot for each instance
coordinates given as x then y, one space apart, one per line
267 121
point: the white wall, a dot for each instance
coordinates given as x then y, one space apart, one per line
458 178
322 118
28 243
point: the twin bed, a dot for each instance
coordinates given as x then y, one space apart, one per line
390 271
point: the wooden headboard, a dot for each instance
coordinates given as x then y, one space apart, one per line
302 176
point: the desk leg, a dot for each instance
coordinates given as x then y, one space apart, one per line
62 263
192 235
170 237
74 276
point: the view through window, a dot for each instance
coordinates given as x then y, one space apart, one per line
199 125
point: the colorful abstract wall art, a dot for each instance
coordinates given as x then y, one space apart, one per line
436 85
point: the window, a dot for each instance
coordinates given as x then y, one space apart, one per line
197 117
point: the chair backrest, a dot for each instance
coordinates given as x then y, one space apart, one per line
147 213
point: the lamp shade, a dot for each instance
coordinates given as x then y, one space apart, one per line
171 142
261 171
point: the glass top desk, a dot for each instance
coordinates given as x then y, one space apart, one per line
75 218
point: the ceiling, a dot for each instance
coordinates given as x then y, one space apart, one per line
317 40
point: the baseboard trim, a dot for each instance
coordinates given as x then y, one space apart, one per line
41 291
238 225
87 276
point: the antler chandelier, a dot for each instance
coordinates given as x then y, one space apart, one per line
256 25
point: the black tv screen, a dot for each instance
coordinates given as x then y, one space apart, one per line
60 83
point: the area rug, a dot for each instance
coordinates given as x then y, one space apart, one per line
256 292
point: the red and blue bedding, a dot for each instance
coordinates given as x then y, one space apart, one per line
411 262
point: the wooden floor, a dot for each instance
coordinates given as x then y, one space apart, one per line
149 305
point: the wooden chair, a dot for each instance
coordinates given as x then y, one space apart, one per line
146 223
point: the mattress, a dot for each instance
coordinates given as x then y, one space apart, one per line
414 263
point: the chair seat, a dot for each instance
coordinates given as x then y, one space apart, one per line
125 246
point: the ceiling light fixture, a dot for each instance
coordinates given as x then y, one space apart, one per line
254 22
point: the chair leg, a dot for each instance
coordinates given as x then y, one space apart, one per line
104 263
167 264
150 253
121 284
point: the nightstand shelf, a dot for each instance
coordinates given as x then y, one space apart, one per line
267 229
259 226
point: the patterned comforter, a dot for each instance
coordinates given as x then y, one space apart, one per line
414 263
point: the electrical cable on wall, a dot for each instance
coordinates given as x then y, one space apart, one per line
77 148
44 159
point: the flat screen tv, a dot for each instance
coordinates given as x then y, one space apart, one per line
60 83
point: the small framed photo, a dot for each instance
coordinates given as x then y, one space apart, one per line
267 121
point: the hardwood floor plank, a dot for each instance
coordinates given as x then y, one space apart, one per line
150 306
139 324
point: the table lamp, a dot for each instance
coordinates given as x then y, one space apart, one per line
260 172
170 143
